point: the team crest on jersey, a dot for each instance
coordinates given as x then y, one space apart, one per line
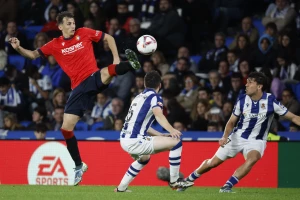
263 106
247 104
77 37
63 43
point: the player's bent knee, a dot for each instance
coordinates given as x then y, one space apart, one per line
177 144
144 160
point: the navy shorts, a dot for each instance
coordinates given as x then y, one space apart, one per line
83 96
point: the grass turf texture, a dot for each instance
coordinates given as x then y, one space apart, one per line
142 193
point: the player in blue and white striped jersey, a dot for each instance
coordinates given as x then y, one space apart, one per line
144 109
252 115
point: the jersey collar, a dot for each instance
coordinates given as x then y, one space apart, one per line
148 89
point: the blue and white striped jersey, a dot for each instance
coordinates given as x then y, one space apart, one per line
256 116
140 115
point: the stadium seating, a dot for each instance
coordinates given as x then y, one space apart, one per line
297 91
30 31
25 123
286 124
96 126
81 126
260 27
17 60
228 41
196 58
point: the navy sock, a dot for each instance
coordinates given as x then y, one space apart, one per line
232 181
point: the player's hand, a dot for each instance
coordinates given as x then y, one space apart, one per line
223 141
15 43
175 134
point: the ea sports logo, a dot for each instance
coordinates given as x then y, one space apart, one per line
51 164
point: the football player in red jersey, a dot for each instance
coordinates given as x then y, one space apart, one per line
74 53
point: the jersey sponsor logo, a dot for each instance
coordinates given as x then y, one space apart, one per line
72 49
50 165
254 115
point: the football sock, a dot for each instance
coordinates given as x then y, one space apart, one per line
193 176
174 160
72 146
232 181
131 173
119 69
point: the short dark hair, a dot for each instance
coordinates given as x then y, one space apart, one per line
62 15
41 110
152 80
260 78
41 127
4 81
271 25
236 75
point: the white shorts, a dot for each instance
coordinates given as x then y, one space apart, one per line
137 147
238 144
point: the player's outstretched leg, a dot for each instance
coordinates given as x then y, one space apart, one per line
67 131
252 157
133 59
206 166
132 172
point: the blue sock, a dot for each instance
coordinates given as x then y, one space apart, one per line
193 176
232 181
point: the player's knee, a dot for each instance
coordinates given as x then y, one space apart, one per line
68 125
212 163
251 161
144 160
177 144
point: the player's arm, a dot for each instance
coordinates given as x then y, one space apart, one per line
228 129
15 43
113 47
161 119
292 117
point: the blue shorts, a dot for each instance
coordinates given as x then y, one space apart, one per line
83 96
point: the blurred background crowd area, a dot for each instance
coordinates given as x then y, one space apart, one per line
206 49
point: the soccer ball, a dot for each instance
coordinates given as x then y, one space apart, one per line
146 44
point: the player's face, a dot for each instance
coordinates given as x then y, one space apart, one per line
67 27
252 87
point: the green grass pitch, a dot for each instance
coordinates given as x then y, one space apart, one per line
142 193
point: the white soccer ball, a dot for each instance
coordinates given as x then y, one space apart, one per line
146 44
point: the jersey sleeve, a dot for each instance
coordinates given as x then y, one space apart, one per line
237 109
94 35
156 101
46 49
279 108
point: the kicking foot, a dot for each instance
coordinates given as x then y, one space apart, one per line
132 58
226 189
117 190
184 188
79 172
181 183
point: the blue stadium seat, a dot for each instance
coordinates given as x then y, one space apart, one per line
25 123
30 31
286 124
196 58
260 27
17 60
96 126
228 41
297 92
81 126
